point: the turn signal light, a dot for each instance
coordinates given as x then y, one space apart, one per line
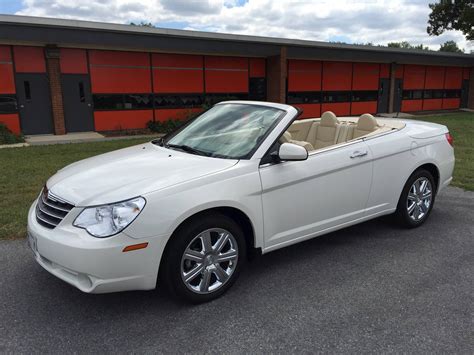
450 139
135 247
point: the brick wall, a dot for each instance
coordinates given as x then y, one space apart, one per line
276 77
54 75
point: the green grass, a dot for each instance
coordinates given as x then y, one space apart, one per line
461 127
23 171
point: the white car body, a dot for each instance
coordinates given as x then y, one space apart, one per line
285 203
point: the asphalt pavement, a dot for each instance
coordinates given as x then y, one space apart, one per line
370 288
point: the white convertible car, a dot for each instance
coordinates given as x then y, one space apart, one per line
186 210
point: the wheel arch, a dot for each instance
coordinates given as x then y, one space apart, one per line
433 170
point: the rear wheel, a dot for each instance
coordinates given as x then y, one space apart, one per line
204 258
417 199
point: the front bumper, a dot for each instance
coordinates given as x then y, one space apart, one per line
94 265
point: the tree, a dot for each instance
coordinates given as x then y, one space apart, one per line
448 15
450 46
143 24
407 45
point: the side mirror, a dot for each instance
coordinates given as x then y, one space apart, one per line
292 152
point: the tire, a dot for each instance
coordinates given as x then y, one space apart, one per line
416 200
192 268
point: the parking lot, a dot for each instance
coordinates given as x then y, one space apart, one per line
369 288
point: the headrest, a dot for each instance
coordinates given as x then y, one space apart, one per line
367 122
286 137
329 119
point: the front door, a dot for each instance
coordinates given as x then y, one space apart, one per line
384 87
77 100
34 103
397 97
464 93
302 199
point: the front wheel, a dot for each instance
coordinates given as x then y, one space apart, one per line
417 199
204 258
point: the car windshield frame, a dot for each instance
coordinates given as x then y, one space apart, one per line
166 141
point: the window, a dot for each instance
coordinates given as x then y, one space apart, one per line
336 96
122 101
412 94
178 101
452 94
433 94
258 89
8 104
304 97
360 96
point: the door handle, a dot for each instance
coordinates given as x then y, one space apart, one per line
358 153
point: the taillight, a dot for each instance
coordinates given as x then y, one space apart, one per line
449 138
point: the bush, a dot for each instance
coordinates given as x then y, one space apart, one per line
7 137
171 124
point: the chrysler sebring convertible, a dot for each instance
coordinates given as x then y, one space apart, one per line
185 211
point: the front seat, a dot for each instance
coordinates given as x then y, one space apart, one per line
286 138
325 132
366 124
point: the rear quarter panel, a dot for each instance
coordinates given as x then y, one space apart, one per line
395 157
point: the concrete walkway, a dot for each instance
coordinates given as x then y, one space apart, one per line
79 138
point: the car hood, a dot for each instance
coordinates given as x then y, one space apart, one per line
130 172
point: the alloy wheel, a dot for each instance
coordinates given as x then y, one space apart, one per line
419 199
209 260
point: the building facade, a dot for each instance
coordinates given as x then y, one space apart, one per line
60 76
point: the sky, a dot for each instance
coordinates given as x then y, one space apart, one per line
357 21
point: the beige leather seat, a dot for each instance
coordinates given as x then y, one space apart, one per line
300 129
325 132
287 138
366 124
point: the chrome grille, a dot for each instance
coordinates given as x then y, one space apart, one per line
51 210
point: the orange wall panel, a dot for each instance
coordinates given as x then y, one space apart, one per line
358 108
120 80
178 81
226 81
451 103
176 60
5 54
309 110
434 77
7 81
226 62
365 76
117 58
12 121
73 61
414 77
257 68
29 59
337 76
412 105
304 75
453 78
175 113
340 109
385 71
432 104
117 120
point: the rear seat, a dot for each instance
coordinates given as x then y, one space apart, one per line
365 125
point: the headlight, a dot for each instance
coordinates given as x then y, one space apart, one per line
107 220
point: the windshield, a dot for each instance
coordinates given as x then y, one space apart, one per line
231 131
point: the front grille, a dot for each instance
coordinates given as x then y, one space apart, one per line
51 210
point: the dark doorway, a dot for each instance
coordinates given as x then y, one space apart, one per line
397 97
34 103
464 93
77 101
382 104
